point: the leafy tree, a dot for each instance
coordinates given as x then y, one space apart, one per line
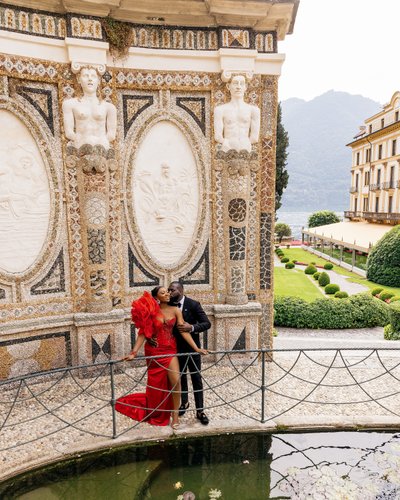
281 230
282 144
383 264
321 218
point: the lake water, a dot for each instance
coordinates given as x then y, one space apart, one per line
297 220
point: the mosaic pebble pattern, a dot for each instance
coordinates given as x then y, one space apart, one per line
237 243
237 209
54 281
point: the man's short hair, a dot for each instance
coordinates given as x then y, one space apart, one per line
178 284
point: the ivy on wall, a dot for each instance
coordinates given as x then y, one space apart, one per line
119 35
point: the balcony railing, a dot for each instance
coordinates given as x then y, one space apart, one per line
349 214
374 187
388 185
382 216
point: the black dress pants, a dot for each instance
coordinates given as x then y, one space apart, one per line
193 364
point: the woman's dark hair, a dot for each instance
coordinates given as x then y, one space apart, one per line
155 290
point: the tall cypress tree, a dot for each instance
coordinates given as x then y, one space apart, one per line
282 144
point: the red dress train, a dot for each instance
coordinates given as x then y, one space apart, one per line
155 405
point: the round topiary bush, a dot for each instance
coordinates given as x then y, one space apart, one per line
316 275
395 298
310 269
386 296
289 265
313 263
328 265
341 295
332 289
324 279
285 259
376 291
383 264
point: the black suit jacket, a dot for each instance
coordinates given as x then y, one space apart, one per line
193 314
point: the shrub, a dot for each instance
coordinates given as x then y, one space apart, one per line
316 275
390 334
395 298
289 265
385 295
285 259
328 265
279 251
310 269
358 311
341 295
376 291
332 289
322 217
313 263
294 261
383 263
323 279
394 316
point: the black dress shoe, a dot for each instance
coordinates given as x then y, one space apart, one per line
200 415
183 408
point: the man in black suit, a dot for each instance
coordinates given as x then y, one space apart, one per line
196 321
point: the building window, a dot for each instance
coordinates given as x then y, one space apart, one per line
390 204
365 204
356 181
382 122
396 116
380 152
392 177
378 176
394 145
366 178
355 204
368 155
370 129
377 204
358 159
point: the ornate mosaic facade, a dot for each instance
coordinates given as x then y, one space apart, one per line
94 239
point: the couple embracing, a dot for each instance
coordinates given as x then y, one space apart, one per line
168 323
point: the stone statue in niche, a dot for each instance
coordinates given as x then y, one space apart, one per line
87 119
236 123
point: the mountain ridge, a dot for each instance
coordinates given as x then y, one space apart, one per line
319 161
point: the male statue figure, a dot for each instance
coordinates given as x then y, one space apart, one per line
236 123
88 119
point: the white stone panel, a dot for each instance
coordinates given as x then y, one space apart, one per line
24 196
165 190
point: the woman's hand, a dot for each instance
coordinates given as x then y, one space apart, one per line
131 355
202 351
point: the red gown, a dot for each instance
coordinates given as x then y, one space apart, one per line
155 405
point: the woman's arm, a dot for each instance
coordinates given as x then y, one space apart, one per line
138 344
187 336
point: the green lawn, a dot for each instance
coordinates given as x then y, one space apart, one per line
304 256
294 283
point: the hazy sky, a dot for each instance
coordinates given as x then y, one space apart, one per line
348 45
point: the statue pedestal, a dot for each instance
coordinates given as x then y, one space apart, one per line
238 328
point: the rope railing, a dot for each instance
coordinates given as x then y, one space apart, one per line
258 385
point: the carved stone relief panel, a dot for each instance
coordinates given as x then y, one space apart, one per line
165 192
24 196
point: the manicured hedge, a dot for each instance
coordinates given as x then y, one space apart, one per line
284 260
331 289
341 295
310 269
316 275
358 311
289 265
376 291
383 264
328 265
392 330
385 295
324 279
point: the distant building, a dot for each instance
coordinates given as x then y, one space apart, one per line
374 192
375 172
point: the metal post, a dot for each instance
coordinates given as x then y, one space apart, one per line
112 402
263 386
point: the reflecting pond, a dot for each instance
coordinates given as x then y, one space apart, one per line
330 465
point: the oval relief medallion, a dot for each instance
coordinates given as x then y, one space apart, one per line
24 196
165 192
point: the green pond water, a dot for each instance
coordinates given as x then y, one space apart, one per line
348 465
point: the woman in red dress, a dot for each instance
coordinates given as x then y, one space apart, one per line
155 319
